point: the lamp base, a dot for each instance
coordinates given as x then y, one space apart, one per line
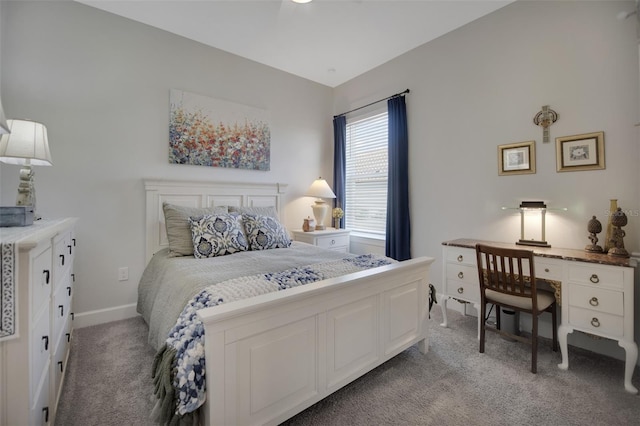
320 210
533 243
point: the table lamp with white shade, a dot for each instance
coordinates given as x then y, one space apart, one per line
320 189
26 145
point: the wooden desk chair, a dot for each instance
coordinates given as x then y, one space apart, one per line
507 279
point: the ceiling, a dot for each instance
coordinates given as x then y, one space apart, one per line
326 41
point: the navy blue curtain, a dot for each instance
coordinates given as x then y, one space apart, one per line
398 238
339 161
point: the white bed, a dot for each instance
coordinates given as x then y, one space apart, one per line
271 356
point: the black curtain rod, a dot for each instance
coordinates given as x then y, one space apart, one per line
373 103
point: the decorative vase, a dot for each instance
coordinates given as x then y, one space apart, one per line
613 207
336 223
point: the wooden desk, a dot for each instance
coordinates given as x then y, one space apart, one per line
596 292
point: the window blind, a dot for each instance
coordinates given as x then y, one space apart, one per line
366 175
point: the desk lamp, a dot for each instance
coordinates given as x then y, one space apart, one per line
532 220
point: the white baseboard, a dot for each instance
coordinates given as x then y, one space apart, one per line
101 316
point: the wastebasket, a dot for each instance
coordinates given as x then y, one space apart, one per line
510 323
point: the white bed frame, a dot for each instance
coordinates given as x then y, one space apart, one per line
270 357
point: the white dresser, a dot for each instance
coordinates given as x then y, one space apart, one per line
33 360
332 239
595 292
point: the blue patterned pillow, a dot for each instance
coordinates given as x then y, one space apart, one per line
265 232
217 235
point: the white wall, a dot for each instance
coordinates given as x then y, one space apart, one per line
480 86
100 83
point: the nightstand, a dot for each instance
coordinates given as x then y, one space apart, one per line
332 239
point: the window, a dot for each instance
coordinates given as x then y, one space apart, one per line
366 175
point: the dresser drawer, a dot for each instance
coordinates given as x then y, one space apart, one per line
62 256
597 322
61 309
461 255
601 276
596 299
42 281
40 410
40 350
333 242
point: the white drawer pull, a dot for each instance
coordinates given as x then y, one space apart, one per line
594 301
460 289
460 258
461 275
594 279
595 322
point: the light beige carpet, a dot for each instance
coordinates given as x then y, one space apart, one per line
108 383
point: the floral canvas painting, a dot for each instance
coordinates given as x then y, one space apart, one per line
205 131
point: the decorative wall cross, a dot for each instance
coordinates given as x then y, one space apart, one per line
545 118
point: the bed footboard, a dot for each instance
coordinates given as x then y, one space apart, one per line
272 356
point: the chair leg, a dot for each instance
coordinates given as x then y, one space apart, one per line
483 310
554 320
534 343
498 326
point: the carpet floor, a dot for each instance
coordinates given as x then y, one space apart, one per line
108 382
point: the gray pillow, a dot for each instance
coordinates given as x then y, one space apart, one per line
262 211
176 219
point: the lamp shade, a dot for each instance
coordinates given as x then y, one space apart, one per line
320 189
26 144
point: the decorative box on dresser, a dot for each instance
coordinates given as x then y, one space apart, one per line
33 359
595 292
332 239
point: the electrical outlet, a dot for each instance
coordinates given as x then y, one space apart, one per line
123 273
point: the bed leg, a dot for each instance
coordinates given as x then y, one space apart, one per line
423 346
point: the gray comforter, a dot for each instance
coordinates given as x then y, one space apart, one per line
168 283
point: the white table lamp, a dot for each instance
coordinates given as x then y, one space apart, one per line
320 189
25 145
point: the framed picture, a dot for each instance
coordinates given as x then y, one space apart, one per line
580 152
517 158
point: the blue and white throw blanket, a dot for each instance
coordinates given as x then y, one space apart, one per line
181 363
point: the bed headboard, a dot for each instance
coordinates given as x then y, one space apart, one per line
201 194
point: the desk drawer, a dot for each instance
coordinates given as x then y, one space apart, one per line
461 255
596 299
600 276
548 270
462 282
596 322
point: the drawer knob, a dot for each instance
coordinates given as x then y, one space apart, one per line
460 289
595 322
594 279
61 366
61 310
594 301
333 242
45 410
62 260
69 291
461 275
460 258
46 342
69 249
546 270
47 275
